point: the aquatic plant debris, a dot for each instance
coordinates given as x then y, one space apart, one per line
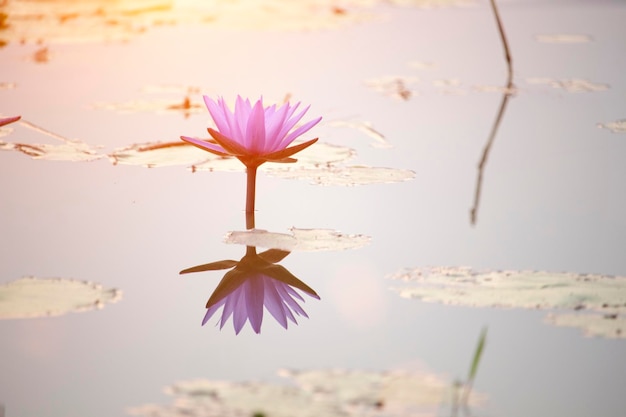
593 297
618 126
312 393
31 297
311 240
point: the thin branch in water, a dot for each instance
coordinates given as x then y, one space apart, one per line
505 43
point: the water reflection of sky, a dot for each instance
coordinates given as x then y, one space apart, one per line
552 199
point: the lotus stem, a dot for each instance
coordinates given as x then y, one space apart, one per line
250 195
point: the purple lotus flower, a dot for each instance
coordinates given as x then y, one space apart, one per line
253 133
9 120
254 283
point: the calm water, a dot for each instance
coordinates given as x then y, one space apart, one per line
553 198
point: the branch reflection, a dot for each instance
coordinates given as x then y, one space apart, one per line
254 282
508 91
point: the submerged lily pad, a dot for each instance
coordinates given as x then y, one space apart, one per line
597 297
299 239
618 126
30 297
334 392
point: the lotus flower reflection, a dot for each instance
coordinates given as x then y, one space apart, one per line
253 133
255 282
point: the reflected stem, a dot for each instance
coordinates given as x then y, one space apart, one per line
485 154
505 98
250 195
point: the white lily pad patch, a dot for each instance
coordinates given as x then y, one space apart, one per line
618 126
311 240
31 297
599 300
314 393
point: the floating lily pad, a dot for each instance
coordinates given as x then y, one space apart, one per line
299 239
618 126
314 157
316 393
159 154
610 326
598 296
573 85
344 175
400 87
366 127
68 150
182 105
71 151
45 297
495 89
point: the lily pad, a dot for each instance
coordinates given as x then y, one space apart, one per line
334 392
344 175
399 87
573 85
31 297
159 154
315 157
158 105
379 140
67 150
592 295
610 326
618 126
311 240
